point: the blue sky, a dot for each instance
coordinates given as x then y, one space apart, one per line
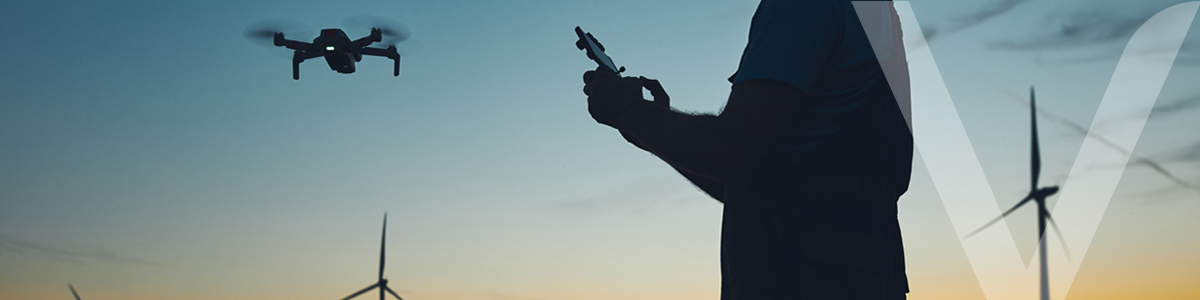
147 150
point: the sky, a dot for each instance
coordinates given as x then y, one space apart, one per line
149 151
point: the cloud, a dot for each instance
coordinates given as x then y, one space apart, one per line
9 244
1162 110
1189 52
1103 29
989 11
1177 106
1078 29
1191 153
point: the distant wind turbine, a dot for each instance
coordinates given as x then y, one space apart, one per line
382 283
73 291
1037 195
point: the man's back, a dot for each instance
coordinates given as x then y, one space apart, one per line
822 223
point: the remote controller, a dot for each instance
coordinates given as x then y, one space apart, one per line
595 51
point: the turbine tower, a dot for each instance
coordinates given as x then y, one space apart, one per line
1037 195
382 283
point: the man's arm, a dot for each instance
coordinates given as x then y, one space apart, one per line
713 188
722 149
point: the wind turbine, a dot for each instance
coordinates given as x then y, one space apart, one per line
382 283
73 291
1037 195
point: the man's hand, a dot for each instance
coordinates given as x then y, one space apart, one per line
610 97
656 91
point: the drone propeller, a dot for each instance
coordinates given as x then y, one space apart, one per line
263 32
393 31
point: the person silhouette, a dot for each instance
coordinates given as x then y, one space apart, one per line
809 155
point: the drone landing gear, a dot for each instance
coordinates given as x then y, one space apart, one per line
298 57
395 56
397 71
390 52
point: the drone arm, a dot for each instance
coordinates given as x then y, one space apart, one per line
297 45
363 42
376 36
294 45
390 52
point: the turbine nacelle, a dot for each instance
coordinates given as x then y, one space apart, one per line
1042 193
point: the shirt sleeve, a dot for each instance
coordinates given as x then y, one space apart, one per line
790 41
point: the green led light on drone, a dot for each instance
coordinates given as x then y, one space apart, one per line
328 48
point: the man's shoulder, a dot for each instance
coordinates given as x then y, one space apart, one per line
823 7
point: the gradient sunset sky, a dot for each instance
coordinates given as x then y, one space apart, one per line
149 151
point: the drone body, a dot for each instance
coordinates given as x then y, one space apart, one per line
339 51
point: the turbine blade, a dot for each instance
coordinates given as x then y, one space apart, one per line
360 292
1058 233
73 293
1110 144
392 292
1005 214
1036 159
382 245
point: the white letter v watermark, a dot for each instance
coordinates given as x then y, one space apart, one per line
939 135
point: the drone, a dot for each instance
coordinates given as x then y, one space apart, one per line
339 51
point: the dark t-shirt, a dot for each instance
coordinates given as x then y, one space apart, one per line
825 225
